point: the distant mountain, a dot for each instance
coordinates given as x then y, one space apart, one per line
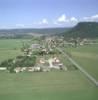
83 30
28 32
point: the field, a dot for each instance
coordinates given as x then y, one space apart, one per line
57 85
87 57
46 86
10 48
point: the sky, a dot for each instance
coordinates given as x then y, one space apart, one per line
46 13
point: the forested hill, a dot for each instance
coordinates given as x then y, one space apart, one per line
83 30
20 33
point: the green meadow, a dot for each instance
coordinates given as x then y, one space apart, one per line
71 85
87 57
54 85
10 48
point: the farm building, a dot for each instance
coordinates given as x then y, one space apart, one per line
3 68
35 46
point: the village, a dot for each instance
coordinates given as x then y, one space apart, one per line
46 57
42 56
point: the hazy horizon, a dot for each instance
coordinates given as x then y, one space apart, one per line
46 13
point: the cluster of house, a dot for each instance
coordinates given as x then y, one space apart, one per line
29 69
55 63
36 47
43 65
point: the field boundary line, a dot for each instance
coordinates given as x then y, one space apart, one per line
90 77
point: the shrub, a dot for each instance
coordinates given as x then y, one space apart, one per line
21 61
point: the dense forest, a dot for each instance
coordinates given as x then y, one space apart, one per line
83 30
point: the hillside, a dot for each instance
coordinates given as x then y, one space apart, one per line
83 30
28 32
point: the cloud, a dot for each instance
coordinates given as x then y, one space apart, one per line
44 21
95 16
73 19
91 18
62 19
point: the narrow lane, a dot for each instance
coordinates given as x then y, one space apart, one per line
91 78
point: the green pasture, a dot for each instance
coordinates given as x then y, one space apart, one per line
87 57
10 43
6 54
70 85
10 48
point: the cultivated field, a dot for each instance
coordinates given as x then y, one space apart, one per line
10 48
55 85
46 86
87 57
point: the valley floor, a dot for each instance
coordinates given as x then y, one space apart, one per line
70 85
53 85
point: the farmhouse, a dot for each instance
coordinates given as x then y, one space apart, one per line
55 63
35 46
3 68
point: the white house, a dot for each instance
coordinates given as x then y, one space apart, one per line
35 46
3 68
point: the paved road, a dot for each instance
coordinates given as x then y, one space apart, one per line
79 67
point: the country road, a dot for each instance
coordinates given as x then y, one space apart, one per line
91 78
